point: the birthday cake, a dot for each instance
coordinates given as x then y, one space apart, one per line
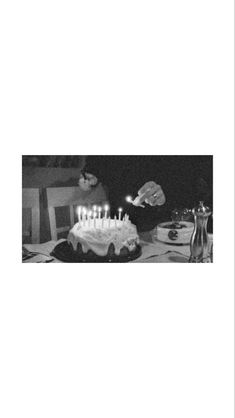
104 238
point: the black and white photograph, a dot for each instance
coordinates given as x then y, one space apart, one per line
117 208
117 171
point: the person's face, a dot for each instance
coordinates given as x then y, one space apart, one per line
87 181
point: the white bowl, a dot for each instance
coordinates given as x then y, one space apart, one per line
174 233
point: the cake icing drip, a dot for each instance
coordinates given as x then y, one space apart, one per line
119 233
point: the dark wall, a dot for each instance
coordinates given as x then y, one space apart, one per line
62 161
184 179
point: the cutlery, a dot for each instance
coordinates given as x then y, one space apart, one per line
29 254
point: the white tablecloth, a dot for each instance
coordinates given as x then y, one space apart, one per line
152 252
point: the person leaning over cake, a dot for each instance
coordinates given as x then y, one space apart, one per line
150 193
158 184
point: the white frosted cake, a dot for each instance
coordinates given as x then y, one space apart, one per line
104 237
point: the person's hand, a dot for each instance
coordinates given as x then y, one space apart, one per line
87 181
152 194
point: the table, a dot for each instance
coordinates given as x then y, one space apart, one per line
152 251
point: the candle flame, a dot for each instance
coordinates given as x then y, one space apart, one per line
120 209
129 199
106 207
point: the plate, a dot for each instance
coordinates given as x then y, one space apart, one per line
64 252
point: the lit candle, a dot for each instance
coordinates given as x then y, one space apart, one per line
99 211
89 218
119 213
115 221
109 223
106 208
94 217
84 216
79 211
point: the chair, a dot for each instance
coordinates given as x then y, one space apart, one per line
30 200
70 196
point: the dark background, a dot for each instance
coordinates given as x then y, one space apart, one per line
184 179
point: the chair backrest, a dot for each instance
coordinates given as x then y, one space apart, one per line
30 200
70 196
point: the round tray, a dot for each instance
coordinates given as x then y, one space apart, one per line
64 252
